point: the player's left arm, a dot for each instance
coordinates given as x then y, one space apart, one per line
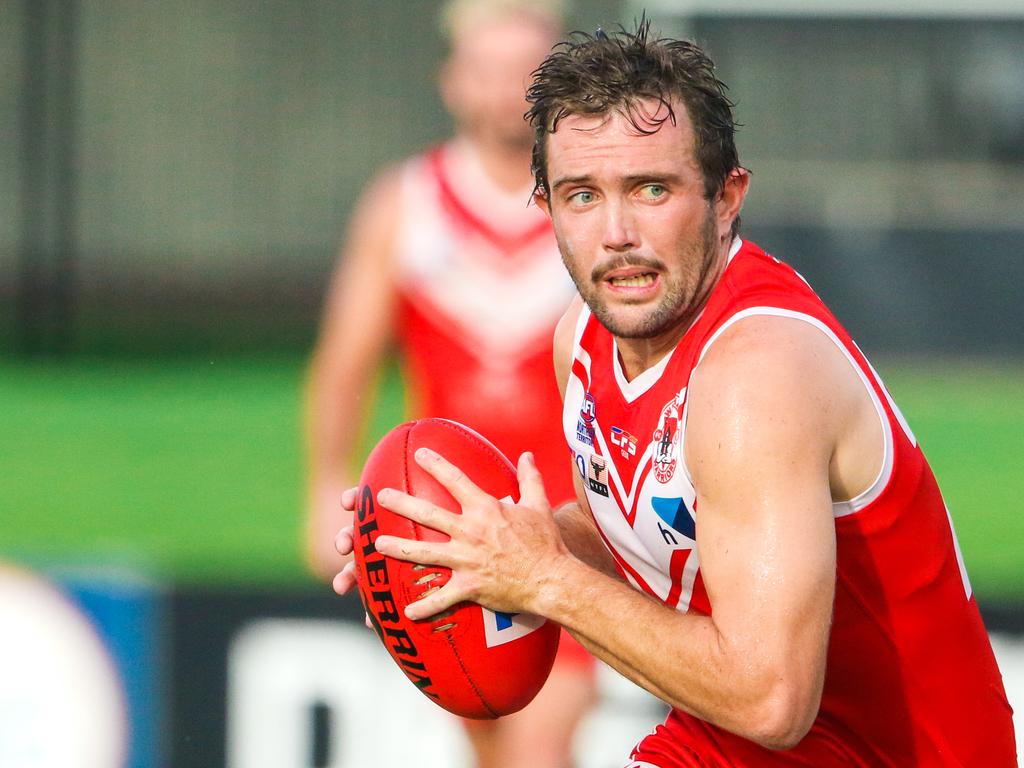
768 408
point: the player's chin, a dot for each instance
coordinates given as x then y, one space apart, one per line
628 320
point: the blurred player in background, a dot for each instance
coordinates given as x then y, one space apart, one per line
759 540
447 256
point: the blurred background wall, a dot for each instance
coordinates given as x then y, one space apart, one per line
176 175
174 180
200 159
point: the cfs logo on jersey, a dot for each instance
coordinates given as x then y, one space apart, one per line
665 439
625 442
585 423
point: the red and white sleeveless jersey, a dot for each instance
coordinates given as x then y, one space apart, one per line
482 287
911 679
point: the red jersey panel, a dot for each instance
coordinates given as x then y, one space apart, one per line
911 679
482 288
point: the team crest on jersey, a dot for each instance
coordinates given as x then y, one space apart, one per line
597 474
626 442
585 424
666 439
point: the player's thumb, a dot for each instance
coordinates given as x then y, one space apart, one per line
531 484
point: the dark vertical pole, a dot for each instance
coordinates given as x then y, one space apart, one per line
66 175
31 273
320 736
49 186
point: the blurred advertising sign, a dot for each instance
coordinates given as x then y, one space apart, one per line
333 698
264 679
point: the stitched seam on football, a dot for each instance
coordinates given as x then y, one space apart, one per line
469 677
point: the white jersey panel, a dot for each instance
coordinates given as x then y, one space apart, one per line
498 301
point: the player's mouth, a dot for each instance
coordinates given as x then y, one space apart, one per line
633 282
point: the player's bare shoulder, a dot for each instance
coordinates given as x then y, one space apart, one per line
774 389
367 250
565 333
378 205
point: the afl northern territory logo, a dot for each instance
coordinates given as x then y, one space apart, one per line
665 440
585 424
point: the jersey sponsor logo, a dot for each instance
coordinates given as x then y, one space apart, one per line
626 442
597 474
585 424
581 465
666 439
673 512
584 434
501 628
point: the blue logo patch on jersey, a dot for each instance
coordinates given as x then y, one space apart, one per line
585 424
674 512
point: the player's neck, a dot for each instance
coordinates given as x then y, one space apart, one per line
641 354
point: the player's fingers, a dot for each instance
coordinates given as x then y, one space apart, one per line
348 499
531 483
413 551
455 481
345 580
418 510
434 603
344 542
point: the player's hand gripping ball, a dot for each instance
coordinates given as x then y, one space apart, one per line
469 660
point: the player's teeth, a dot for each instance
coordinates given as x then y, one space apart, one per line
634 281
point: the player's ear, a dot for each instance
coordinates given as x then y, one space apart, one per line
730 199
540 199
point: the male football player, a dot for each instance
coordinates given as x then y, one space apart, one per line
758 540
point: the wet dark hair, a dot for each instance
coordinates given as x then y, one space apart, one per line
598 74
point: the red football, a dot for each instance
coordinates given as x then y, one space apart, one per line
471 661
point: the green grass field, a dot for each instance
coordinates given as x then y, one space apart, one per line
191 470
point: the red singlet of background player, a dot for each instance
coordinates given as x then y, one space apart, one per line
482 287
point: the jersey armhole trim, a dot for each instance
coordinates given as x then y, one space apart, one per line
875 489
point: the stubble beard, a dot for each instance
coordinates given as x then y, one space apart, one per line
681 301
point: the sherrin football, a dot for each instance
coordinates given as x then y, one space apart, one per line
471 661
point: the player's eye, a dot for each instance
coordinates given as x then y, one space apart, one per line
653 191
583 197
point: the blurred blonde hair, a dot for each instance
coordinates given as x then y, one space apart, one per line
459 16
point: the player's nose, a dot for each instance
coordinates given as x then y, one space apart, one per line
619 228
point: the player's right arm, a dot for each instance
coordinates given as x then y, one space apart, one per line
575 521
355 333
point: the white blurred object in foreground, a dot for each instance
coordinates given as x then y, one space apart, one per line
61 701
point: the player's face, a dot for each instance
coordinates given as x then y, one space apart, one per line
484 80
641 241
